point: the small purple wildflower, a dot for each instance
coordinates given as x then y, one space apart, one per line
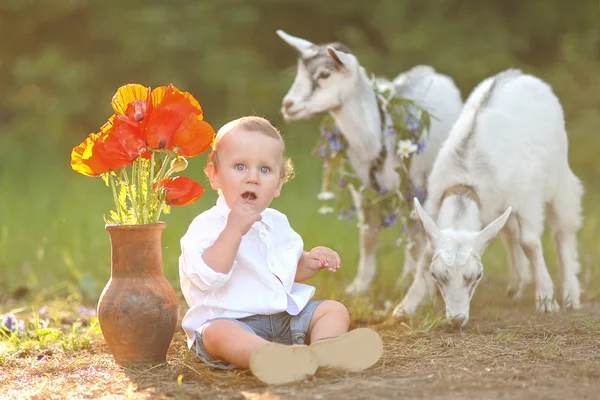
421 146
323 151
350 215
405 229
336 144
421 195
83 310
392 131
9 322
412 124
342 182
43 311
389 220
342 215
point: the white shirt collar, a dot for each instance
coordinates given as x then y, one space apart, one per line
223 209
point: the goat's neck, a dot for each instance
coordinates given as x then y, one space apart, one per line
359 120
460 213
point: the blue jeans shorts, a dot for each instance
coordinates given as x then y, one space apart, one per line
279 328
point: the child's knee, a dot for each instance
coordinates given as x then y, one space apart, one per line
332 307
216 333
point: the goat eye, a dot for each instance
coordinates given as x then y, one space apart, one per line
434 276
323 75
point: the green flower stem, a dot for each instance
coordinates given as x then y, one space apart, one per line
131 197
135 189
159 210
149 191
138 177
161 175
163 169
114 190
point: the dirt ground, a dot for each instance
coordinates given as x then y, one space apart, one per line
507 352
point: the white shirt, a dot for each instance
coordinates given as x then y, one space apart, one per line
261 280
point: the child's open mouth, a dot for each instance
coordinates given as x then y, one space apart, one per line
248 196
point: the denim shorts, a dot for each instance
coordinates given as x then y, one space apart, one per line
280 328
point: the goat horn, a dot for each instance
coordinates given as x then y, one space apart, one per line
302 45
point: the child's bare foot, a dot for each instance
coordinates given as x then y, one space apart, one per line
354 351
275 363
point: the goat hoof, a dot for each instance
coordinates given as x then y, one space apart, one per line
400 314
510 292
514 293
544 306
356 289
568 304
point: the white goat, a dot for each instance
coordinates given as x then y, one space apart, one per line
330 79
507 150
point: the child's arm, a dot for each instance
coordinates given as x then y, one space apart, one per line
221 255
312 262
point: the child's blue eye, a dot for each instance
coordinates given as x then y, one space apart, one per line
265 170
240 167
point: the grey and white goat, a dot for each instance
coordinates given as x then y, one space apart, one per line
506 154
330 79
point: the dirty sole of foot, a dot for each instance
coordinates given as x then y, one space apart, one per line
276 364
357 350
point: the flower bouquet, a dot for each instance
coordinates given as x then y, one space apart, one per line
137 152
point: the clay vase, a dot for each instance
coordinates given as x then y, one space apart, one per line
138 308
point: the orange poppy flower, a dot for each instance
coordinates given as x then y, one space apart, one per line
194 136
87 158
117 145
181 190
168 118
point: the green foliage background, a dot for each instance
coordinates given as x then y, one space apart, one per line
62 60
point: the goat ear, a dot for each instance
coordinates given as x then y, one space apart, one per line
487 235
303 46
429 226
341 59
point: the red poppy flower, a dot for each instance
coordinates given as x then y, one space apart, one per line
124 141
181 190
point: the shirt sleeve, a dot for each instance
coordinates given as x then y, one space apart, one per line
200 236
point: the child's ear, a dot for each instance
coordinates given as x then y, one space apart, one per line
211 172
278 191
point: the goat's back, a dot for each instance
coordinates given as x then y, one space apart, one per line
509 143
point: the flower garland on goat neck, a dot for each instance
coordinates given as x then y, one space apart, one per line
409 125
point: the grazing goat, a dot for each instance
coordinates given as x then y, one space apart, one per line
507 151
330 79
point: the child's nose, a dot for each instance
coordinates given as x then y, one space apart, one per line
252 176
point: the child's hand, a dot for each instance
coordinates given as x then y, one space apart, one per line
323 257
242 216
